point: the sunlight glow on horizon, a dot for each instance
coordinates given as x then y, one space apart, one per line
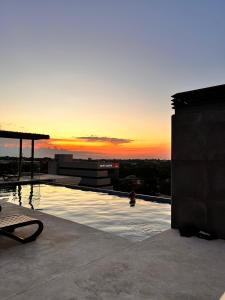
82 149
127 150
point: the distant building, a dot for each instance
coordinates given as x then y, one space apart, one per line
94 173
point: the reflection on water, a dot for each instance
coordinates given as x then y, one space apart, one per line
31 196
19 195
102 211
14 194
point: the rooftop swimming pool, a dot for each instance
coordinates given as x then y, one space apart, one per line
99 210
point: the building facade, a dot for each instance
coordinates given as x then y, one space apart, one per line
93 173
198 160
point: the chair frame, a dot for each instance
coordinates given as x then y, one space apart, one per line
9 223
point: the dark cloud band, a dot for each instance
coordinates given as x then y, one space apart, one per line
116 141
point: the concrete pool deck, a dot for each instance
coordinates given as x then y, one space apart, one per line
73 261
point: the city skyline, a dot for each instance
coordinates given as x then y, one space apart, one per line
98 76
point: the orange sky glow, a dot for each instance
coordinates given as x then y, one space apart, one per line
107 149
80 148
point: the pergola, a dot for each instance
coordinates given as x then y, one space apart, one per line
24 136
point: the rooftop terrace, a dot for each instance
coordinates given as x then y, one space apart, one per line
73 261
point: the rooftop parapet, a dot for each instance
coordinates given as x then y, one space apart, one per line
199 97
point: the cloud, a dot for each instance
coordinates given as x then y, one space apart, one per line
115 141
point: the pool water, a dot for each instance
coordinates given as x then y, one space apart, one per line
109 213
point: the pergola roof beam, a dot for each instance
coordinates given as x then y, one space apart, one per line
23 135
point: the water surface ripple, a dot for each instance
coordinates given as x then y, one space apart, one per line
99 210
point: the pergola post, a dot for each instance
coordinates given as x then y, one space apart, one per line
20 157
32 159
24 136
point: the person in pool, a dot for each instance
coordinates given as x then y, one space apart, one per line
132 197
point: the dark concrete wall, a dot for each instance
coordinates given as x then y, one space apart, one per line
198 168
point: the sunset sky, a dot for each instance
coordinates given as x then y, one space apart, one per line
98 75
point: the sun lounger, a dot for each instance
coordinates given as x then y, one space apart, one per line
9 223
